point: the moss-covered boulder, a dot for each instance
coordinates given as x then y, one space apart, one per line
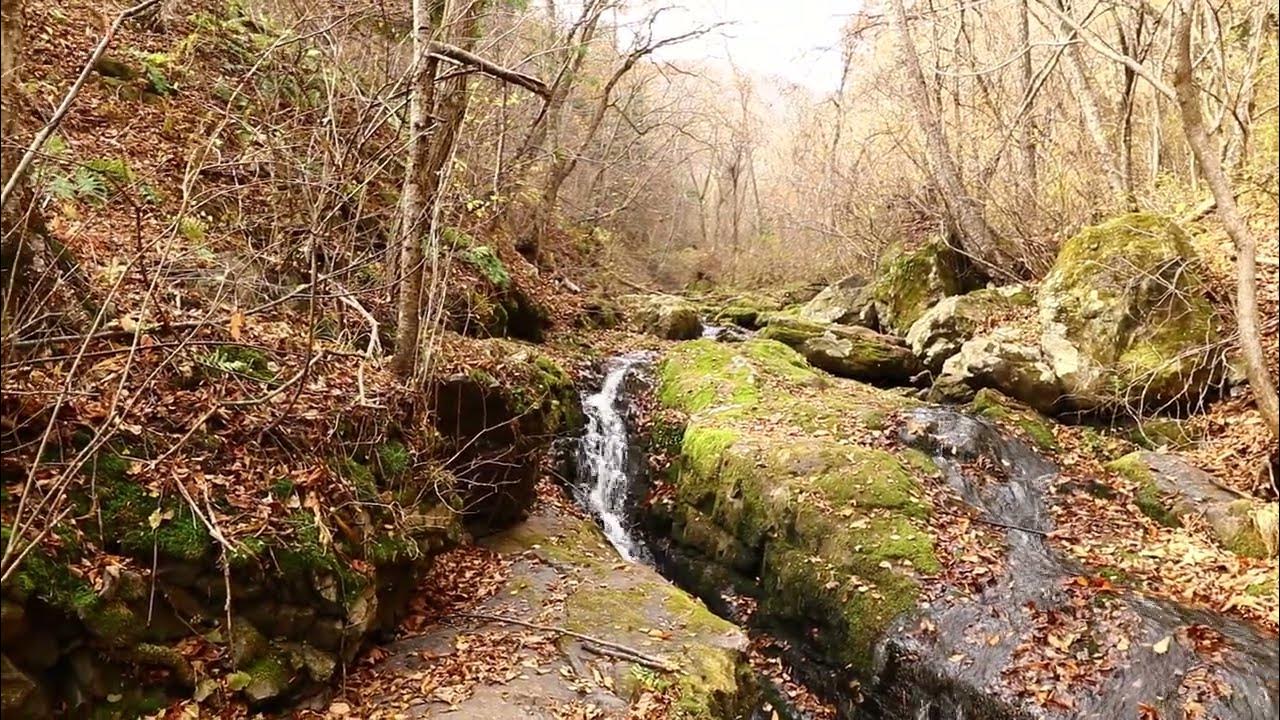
1125 319
667 316
846 350
747 310
1169 489
910 281
943 328
776 489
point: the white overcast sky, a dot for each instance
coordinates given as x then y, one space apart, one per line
796 40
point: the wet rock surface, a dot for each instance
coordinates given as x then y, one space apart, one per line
969 643
563 573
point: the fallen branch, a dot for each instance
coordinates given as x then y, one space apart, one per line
613 649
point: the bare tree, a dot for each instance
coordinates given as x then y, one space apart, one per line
1207 156
979 239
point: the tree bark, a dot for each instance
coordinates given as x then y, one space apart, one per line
414 200
1026 138
1207 153
980 241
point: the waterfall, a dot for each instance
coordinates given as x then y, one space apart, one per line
605 456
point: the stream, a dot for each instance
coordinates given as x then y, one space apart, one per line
918 676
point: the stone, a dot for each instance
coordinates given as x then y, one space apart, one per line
667 316
943 328
828 532
910 281
13 622
1003 361
21 695
846 350
318 664
246 643
1170 489
1125 320
841 302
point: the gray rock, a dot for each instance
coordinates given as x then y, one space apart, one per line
21 695
1002 361
1171 489
246 643
842 302
846 350
943 328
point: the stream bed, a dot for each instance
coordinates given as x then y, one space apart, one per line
929 666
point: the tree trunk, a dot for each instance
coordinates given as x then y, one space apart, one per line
980 241
414 202
1026 139
1091 111
1206 154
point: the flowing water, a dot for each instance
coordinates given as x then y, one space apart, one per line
917 676
606 459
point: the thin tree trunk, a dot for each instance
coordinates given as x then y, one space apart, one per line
1206 154
1091 111
414 202
980 240
1026 139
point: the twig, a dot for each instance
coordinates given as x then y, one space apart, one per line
38 141
993 523
628 653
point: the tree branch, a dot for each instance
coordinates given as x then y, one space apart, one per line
458 56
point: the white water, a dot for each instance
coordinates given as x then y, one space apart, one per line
604 456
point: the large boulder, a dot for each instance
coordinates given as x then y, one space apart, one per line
846 350
1169 489
832 532
943 328
668 316
1124 317
841 302
910 281
787 489
1002 360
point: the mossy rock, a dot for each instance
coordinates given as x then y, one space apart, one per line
1010 413
943 328
1125 317
667 316
746 310
836 529
909 282
1167 489
845 350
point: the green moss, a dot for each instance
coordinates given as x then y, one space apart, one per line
394 460
51 580
1003 410
920 462
868 478
594 607
709 686
359 476
1147 496
141 522
303 553
909 283
489 265
1128 295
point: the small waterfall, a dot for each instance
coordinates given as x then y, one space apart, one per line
605 456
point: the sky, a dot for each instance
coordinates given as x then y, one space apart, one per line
796 40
